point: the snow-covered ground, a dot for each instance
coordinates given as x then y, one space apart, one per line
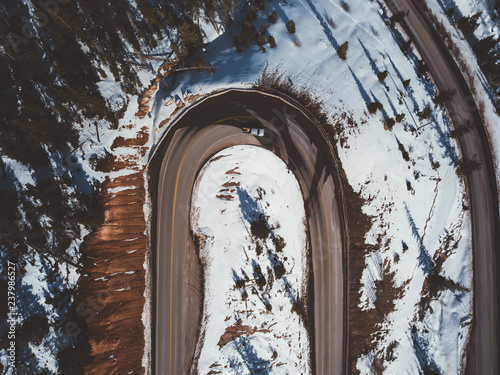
251 285
406 175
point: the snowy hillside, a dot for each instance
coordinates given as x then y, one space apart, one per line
413 306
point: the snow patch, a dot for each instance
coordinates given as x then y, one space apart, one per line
252 285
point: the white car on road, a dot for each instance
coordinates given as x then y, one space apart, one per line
254 131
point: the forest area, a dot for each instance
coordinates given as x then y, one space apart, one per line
52 56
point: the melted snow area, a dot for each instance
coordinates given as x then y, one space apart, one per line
251 284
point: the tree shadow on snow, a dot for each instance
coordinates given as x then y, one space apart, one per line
393 107
249 207
364 95
424 259
248 359
291 291
324 24
420 347
409 89
373 64
444 140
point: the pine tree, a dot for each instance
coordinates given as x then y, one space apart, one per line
374 107
445 96
290 26
261 39
425 113
271 41
400 117
252 14
422 67
342 51
491 64
382 75
398 17
273 17
450 12
245 28
191 40
389 123
469 24
9 213
466 166
150 15
406 47
484 46
461 129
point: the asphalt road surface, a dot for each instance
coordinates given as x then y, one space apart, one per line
201 131
484 354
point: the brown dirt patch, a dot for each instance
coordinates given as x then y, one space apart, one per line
233 171
230 184
233 332
146 96
140 140
112 288
226 197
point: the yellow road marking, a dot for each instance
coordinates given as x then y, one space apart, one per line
232 118
172 234
172 251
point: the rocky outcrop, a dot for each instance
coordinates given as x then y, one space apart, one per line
144 99
163 72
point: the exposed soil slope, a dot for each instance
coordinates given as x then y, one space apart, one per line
115 277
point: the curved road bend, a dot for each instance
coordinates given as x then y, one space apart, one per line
201 131
483 192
